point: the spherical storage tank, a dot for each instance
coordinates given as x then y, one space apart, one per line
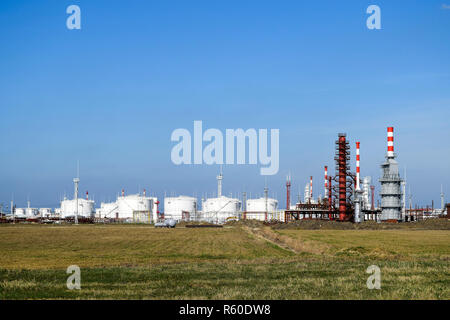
175 206
85 208
129 206
218 210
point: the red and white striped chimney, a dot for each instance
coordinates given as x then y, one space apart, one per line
87 195
145 192
123 192
310 190
390 142
326 182
357 166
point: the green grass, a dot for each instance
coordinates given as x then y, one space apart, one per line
140 262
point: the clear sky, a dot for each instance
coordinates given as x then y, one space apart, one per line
110 94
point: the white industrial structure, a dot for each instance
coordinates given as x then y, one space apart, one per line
107 210
32 212
20 213
220 209
45 212
366 192
391 193
180 208
307 197
261 209
134 208
76 208
28 212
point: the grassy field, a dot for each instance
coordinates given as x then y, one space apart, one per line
235 262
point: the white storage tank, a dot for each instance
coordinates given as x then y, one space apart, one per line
31 212
20 213
180 208
219 210
45 212
107 210
132 206
256 208
259 205
85 208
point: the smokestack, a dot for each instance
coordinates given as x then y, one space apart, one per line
288 192
87 195
357 166
145 192
123 192
326 182
390 142
310 189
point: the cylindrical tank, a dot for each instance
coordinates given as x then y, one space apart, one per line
107 210
180 208
218 210
256 208
45 212
85 208
20 213
132 205
31 212
259 205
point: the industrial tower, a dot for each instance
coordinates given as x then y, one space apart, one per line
391 194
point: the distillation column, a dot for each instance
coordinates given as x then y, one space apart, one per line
391 193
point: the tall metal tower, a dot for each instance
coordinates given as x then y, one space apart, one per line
288 192
359 215
266 197
391 193
342 172
219 183
76 181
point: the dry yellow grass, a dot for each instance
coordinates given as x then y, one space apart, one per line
294 244
393 244
140 262
53 247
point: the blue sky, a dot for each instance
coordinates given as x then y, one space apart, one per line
111 93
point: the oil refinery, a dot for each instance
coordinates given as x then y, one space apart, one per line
346 197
